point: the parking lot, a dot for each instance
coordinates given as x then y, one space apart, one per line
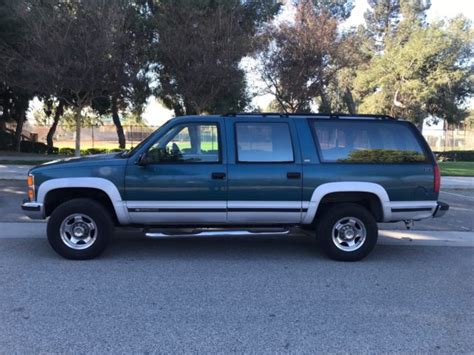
261 295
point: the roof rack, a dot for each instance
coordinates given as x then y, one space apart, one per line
322 115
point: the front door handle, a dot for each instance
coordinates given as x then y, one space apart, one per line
293 175
218 176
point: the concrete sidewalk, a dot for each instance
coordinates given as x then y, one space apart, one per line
19 172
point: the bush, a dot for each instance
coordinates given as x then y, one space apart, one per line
66 151
92 151
117 150
33 147
53 151
455 155
7 141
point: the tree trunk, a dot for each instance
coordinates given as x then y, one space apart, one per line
52 130
19 129
78 116
349 100
118 124
325 106
190 109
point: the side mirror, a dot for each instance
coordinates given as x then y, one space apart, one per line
142 160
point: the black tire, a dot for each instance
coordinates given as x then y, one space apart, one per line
85 210
342 213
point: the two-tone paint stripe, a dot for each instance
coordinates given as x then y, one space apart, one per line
215 206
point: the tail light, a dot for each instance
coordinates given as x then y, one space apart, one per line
437 178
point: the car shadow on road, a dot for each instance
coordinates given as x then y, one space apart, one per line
213 247
131 248
290 248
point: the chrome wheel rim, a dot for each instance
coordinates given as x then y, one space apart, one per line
349 234
78 231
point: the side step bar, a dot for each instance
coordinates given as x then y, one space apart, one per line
218 233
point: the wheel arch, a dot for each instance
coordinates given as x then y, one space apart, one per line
53 192
373 196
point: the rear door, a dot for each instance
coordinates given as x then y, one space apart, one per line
264 171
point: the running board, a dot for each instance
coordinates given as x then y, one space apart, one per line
219 233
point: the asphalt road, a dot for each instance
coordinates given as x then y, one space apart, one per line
235 295
459 217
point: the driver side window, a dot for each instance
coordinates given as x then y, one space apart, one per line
188 143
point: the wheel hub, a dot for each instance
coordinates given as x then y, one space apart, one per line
349 234
78 231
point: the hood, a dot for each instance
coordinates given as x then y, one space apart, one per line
88 160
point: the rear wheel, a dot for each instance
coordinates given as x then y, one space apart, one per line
80 229
347 232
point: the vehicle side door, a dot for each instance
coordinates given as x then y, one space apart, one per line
264 171
182 177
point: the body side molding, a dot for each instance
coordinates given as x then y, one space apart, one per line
347 186
87 182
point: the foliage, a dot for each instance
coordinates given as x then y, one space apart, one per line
81 66
455 155
427 72
383 156
301 60
381 18
198 50
338 9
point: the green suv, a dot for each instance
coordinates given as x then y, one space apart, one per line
244 174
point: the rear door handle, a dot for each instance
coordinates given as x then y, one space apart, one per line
218 176
293 175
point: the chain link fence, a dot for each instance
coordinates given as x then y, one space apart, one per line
105 137
101 137
446 140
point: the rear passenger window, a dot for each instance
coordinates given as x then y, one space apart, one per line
367 142
264 142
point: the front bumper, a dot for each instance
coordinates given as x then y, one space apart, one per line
34 210
441 209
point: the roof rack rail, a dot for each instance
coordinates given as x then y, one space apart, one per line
306 114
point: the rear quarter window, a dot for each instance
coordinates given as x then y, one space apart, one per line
367 142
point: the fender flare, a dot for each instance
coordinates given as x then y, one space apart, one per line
347 186
102 184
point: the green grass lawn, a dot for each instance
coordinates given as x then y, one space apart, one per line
457 168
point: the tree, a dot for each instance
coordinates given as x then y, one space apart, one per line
68 50
198 50
427 71
129 85
300 60
50 106
338 9
381 18
13 101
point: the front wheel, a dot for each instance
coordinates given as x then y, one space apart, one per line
79 229
347 232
